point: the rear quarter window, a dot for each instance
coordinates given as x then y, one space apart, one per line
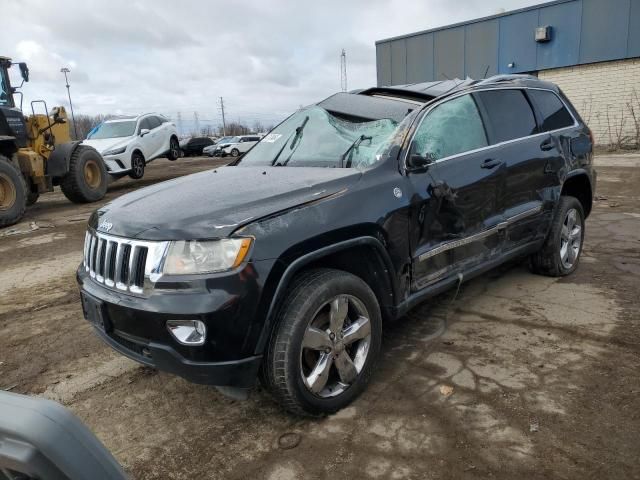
509 114
553 112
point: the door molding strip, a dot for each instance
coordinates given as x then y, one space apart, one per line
478 236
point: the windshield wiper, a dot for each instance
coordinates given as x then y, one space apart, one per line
353 146
298 134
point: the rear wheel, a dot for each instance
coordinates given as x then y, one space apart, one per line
560 253
137 166
174 149
86 180
326 343
13 193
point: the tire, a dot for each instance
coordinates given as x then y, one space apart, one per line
554 259
13 193
289 368
235 152
86 181
174 149
137 166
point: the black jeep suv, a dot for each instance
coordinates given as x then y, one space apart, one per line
286 265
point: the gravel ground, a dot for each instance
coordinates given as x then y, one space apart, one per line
533 377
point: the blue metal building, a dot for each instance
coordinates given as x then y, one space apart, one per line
579 32
590 48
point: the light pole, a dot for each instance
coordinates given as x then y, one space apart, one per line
65 70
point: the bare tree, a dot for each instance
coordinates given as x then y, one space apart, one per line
634 110
616 130
86 123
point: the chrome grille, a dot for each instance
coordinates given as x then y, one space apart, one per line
121 263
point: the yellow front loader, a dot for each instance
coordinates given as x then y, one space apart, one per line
36 154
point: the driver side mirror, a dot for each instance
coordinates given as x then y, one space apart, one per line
144 131
24 71
416 161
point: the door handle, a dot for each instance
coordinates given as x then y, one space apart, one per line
490 163
547 145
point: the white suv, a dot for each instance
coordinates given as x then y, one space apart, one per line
127 144
239 145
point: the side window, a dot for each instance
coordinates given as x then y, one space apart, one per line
154 122
509 113
144 123
554 114
450 128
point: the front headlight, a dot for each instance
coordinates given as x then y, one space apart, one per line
193 256
115 151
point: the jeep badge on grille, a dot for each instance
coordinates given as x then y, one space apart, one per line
105 226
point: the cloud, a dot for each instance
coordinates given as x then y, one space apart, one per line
264 58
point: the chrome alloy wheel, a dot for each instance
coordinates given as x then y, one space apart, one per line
174 147
335 346
570 238
137 165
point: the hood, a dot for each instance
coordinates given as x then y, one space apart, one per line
215 203
104 144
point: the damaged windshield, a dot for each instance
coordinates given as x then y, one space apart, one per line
314 138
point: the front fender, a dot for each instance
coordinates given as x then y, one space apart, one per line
292 269
58 161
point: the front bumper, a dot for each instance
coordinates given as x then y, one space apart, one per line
235 373
116 163
135 325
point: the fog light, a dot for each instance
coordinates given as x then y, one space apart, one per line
187 332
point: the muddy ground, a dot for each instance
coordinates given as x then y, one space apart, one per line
533 377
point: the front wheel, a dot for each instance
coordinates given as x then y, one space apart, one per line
137 166
235 152
174 149
86 181
13 193
326 343
560 254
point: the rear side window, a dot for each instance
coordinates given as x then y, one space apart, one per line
509 113
450 128
554 114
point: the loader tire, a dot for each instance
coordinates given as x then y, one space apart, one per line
86 181
13 193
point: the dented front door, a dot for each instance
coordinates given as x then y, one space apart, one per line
456 210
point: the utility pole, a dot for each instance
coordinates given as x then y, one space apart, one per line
179 121
224 124
65 70
343 71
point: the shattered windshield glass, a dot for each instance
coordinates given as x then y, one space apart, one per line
314 138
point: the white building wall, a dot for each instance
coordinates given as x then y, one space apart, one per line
607 96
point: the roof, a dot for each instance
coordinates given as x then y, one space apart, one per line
398 101
427 91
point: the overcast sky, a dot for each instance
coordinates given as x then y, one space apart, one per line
264 57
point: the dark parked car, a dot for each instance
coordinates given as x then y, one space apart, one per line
287 264
195 145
